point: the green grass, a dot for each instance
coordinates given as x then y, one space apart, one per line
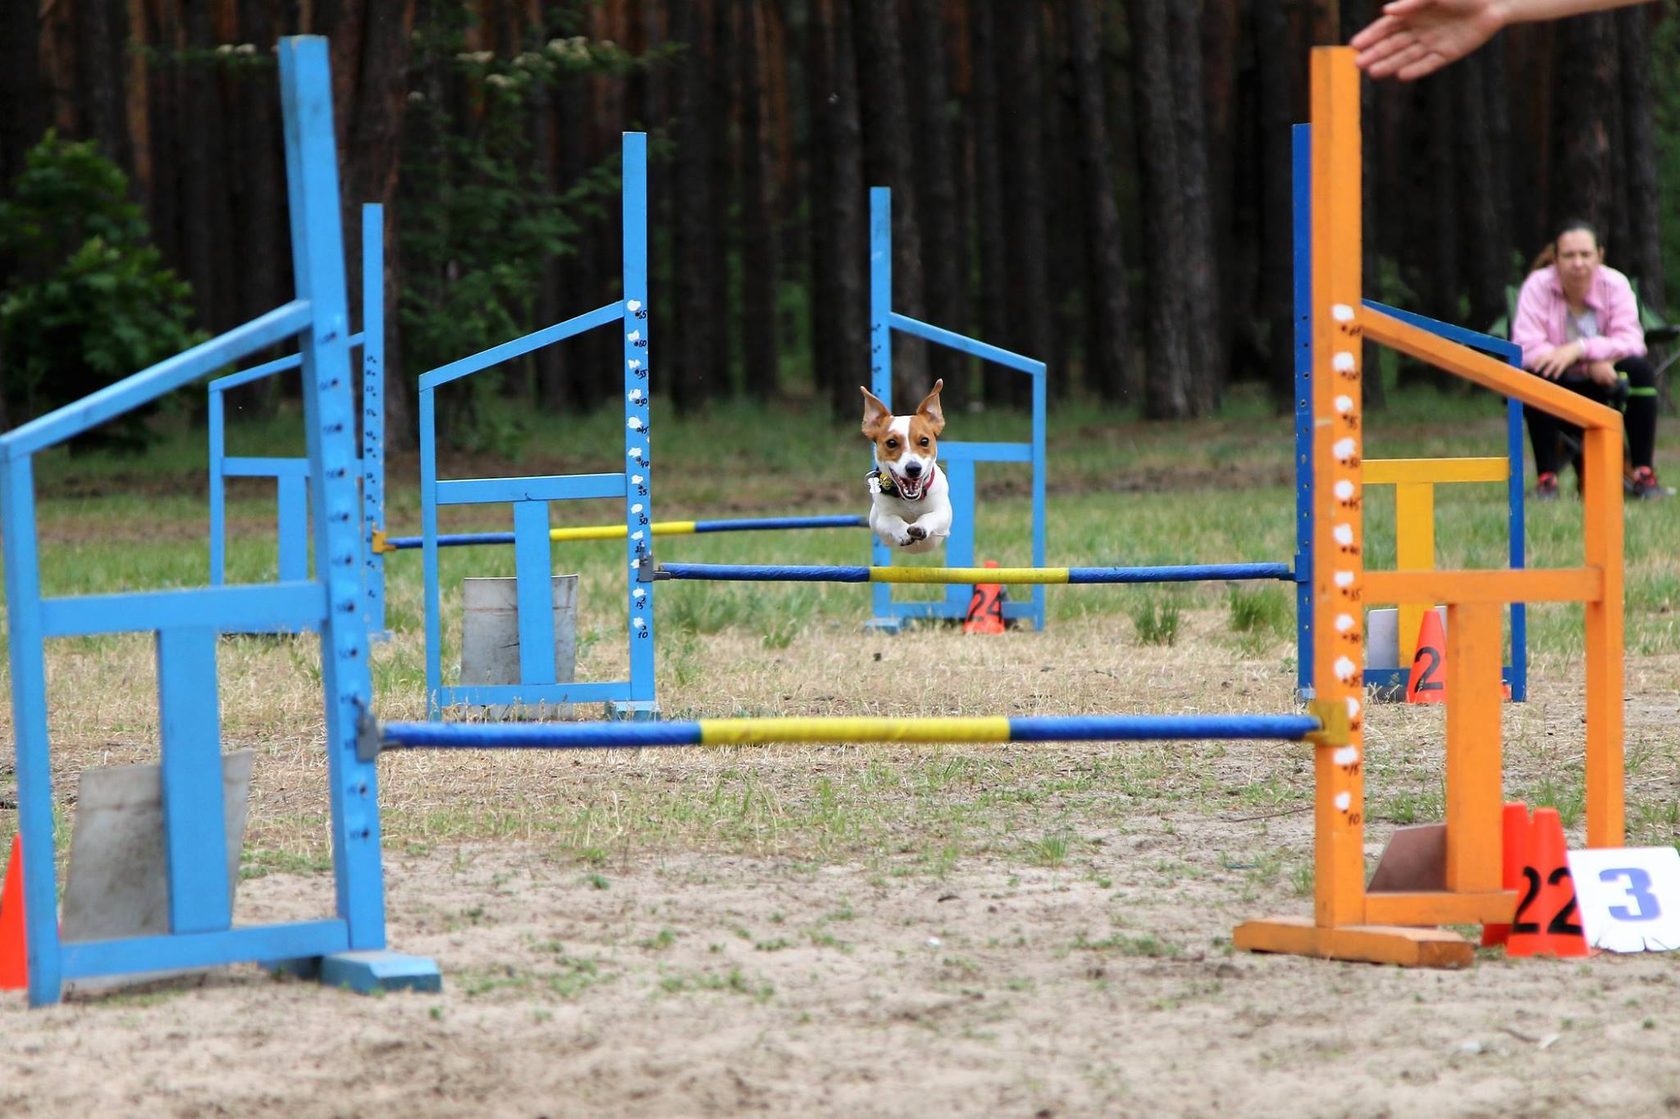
1121 492
1157 618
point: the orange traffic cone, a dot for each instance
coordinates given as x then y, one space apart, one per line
1547 922
14 968
1427 682
985 608
1515 827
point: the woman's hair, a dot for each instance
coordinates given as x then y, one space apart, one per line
1548 255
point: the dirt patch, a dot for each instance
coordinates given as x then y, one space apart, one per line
841 931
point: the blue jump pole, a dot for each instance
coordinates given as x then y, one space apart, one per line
785 573
746 732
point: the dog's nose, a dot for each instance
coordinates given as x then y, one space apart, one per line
913 469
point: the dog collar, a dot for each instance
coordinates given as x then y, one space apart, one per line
881 481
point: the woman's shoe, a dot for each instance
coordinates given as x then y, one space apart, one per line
1645 486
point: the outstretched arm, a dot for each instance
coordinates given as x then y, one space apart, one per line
1417 37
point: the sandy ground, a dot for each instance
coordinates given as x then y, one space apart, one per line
704 986
1067 955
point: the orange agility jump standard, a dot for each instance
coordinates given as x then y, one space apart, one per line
1348 921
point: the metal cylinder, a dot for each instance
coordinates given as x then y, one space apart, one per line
490 641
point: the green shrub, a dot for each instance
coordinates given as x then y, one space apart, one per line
87 299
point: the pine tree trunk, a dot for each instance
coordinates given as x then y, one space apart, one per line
937 174
546 143
1642 254
1025 193
371 50
1587 87
839 224
1204 317
259 207
21 90
1496 97
101 57
888 151
988 189
1167 392
1486 242
1275 302
1221 37
567 294
759 354
205 222
1107 312
719 383
691 338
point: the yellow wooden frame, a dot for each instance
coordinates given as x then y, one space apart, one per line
1414 481
1348 922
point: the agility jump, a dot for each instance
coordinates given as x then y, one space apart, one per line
1348 921
344 948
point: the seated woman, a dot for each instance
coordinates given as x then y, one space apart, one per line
1578 324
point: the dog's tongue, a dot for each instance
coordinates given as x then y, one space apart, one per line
911 487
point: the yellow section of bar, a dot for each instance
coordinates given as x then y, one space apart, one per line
748 732
616 532
1414 550
968 574
1394 471
1414 481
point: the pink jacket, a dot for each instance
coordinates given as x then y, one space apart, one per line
1541 309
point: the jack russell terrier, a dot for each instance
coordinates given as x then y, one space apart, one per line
911 501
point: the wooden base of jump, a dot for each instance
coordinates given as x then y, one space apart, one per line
1373 944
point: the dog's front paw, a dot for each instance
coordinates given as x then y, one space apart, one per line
916 532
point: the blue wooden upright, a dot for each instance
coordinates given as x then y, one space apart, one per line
1389 680
529 498
291 474
956 457
347 947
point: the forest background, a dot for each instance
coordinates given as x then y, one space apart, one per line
1103 183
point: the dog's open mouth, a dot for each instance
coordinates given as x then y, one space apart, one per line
910 488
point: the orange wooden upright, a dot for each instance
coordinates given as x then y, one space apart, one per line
1348 921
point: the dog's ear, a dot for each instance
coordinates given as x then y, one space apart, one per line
875 414
929 408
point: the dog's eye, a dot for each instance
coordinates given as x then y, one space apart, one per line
891 443
924 440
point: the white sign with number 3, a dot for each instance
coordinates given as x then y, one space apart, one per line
1629 897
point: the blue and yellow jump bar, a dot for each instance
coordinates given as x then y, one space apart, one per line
758 732
774 573
383 543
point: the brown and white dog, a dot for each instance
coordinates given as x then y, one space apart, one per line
911 506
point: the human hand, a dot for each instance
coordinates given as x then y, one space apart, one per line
1601 372
1418 37
1556 362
